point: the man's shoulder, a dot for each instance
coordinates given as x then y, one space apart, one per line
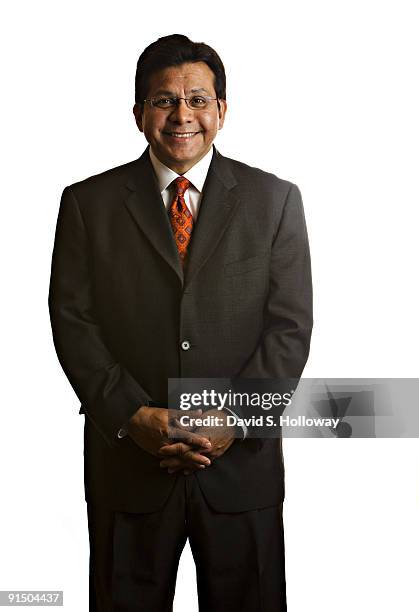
251 175
102 182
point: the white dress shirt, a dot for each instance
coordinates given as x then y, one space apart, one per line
195 175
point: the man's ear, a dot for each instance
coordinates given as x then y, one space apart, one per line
222 109
138 114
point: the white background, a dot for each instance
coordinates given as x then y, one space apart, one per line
321 93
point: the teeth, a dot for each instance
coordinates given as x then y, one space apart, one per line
184 135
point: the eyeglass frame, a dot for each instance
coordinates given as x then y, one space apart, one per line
207 98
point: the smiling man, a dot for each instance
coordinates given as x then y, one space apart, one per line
182 263
182 135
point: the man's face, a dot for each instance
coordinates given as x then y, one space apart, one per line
163 129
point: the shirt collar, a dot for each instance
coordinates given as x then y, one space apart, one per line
195 175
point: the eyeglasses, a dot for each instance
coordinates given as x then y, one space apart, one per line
170 102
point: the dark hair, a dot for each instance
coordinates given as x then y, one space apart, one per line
175 50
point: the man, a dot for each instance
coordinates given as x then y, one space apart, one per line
182 263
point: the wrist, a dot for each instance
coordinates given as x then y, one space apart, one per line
138 417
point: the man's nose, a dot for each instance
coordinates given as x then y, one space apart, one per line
181 113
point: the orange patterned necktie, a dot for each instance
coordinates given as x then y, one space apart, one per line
181 218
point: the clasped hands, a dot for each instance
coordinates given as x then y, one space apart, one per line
160 432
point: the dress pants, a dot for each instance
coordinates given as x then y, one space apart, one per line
239 557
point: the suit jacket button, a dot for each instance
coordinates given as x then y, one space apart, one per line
186 345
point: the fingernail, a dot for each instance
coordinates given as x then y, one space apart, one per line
202 467
207 444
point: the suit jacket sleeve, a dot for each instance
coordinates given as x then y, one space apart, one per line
284 345
107 391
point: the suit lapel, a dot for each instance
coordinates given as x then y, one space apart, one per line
218 204
146 206
217 207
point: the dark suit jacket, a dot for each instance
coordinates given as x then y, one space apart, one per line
121 306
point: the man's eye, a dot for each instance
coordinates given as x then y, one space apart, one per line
198 101
164 102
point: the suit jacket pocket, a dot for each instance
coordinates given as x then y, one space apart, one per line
245 265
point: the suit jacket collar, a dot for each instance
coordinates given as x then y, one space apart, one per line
218 204
196 175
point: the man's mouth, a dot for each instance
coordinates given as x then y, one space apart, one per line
181 134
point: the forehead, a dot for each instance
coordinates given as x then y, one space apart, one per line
186 77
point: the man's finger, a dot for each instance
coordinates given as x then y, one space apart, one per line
197 440
188 454
179 463
196 457
177 448
189 437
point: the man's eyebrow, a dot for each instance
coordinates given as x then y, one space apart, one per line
166 92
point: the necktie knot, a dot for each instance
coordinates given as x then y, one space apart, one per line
182 184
